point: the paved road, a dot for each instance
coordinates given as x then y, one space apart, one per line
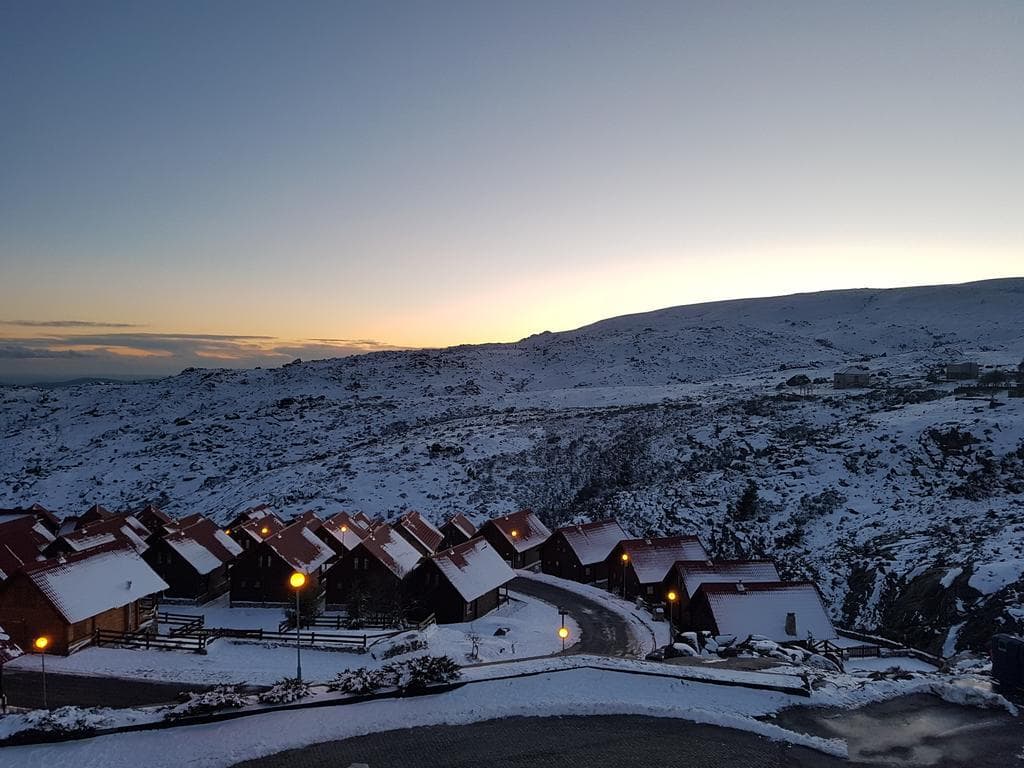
603 631
24 689
562 742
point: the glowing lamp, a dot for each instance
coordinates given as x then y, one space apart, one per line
672 597
297 580
625 557
515 533
563 632
41 643
344 529
264 530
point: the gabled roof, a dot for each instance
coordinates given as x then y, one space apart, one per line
462 524
395 553
473 568
651 559
21 541
761 608
693 573
96 512
153 511
253 527
203 545
593 542
252 513
421 530
85 584
115 528
308 518
523 529
299 547
355 529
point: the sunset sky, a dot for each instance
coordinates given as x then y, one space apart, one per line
243 183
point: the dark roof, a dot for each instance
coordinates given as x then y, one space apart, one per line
151 510
523 529
462 524
652 558
422 531
21 541
331 531
693 573
254 527
203 545
299 547
123 528
394 553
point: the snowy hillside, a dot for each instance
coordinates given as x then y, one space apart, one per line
906 503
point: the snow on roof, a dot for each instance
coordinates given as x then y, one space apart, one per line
299 547
84 585
693 573
254 527
461 523
394 552
21 539
761 608
474 568
355 530
523 529
652 559
8 650
203 545
593 542
421 529
123 528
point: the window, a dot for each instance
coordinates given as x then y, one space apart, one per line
586 571
650 590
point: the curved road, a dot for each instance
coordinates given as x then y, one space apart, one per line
603 631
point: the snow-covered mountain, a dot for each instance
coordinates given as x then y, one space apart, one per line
905 503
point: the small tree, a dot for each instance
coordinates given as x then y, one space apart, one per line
746 508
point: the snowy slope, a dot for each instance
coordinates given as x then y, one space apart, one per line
660 419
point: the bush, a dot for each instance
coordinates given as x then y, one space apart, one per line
410 675
285 691
221 697
63 722
430 670
365 680
402 648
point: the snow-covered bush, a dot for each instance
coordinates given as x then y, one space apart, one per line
285 691
401 648
221 697
41 724
406 675
365 680
429 670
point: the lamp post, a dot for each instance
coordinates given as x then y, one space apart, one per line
625 562
672 597
40 644
297 581
563 632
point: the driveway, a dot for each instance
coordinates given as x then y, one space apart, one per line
25 689
603 631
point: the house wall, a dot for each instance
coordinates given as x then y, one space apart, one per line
559 559
358 569
258 575
701 617
26 614
508 553
453 536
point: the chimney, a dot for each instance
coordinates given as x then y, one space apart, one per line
129 584
791 624
740 587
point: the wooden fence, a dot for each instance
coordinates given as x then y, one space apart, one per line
196 643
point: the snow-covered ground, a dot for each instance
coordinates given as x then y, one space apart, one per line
881 664
531 630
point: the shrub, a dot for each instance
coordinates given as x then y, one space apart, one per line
401 648
285 691
63 722
365 680
429 670
221 697
413 674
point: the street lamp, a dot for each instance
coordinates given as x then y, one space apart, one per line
297 580
563 632
344 530
264 530
672 597
40 644
625 562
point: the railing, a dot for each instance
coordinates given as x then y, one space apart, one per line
321 639
181 623
192 642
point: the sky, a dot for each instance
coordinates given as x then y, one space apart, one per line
244 183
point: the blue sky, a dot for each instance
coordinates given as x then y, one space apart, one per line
233 183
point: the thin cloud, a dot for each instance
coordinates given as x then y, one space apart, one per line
25 352
66 324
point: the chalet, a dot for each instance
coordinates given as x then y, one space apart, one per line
22 540
643 564
580 552
518 537
462 583
419 532
779 610
154 518
68 598
261 572
851 377
253 513
193 558
686 577
122 528
94 514
457 530
42 515
252 531
962 370
342 531
378 564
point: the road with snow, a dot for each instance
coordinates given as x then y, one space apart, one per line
603 631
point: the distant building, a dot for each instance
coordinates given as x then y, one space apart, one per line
457 530
781 611
67 598
342 531
250 532
154 518
854 376
687 576
648 562
962 370
102 530
22 541
580 552
518 537
461 583
419 532
193 558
